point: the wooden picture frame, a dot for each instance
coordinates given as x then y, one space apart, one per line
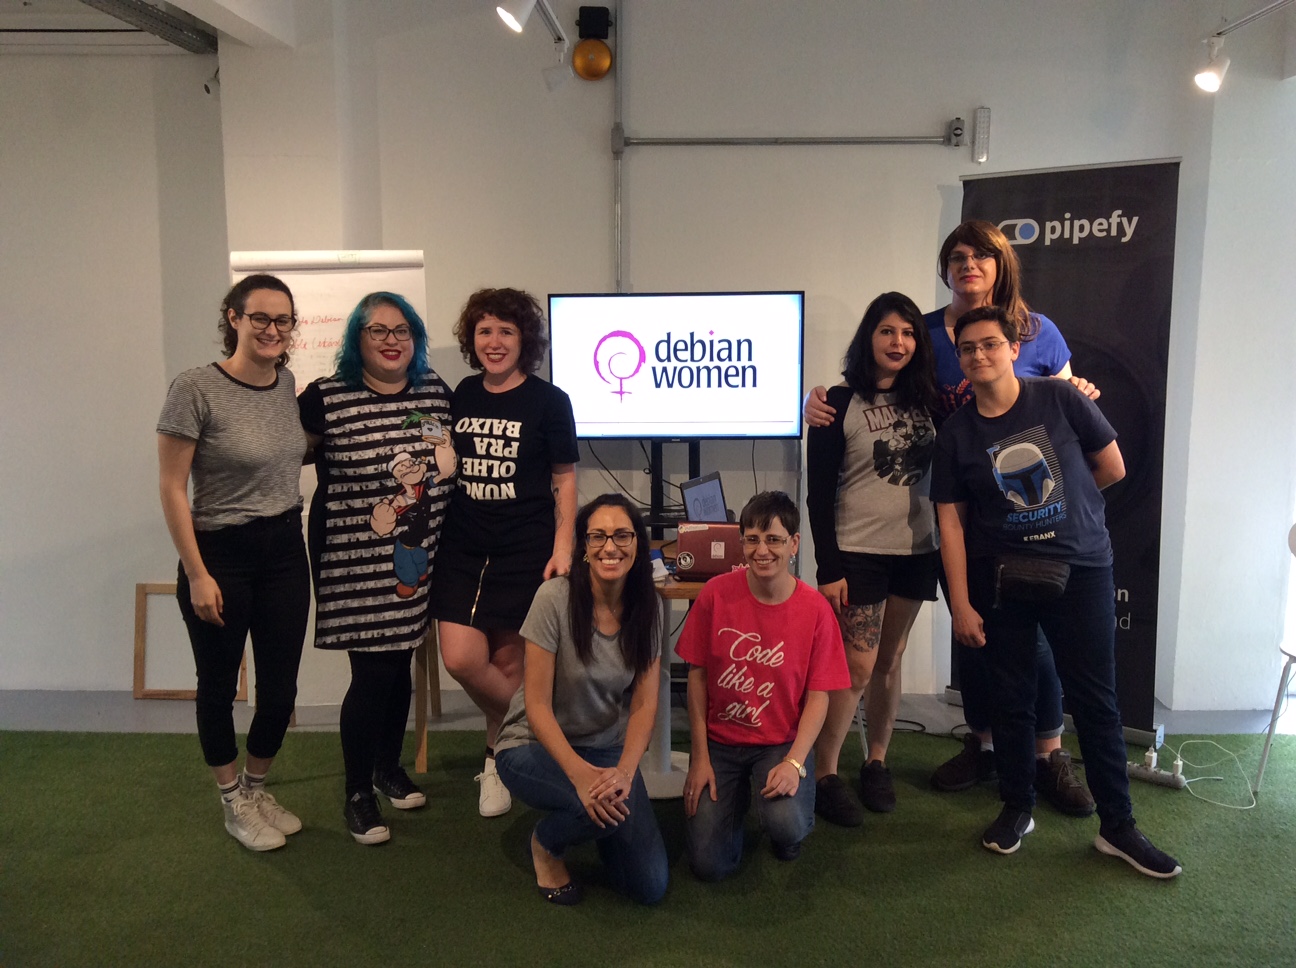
140 689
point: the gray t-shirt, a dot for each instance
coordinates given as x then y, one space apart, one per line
250 444
591 702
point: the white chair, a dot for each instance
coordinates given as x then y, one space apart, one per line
1284 682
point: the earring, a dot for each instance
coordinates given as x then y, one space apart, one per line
585 557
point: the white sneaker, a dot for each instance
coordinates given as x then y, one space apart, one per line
493 799
245 824
284 821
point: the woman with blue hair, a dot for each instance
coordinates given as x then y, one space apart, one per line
380 427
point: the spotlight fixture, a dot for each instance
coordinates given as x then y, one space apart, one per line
1212 75
516 13
1210 78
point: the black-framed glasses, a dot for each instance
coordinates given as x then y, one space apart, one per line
962 259
986 346
261 321
772 541
597 539
379 333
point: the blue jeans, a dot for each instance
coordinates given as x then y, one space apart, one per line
1081 627
633 851
715 832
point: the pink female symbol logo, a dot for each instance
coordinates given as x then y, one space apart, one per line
618 350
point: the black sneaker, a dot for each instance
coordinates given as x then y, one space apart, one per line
364 819
1005 834
971 766
834 803
1056 781
1128 843
397 787
877 792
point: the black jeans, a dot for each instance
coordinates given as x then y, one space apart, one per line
264 580
374 715
1081 628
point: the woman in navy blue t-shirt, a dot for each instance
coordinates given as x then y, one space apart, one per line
1016 478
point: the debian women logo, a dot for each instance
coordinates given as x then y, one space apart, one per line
619 356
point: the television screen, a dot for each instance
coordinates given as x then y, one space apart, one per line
680 365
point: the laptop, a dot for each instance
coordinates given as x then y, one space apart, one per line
704 550
704 499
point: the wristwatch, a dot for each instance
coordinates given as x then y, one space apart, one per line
795 765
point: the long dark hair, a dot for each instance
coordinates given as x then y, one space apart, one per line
236 299
640 635
915 385
985 238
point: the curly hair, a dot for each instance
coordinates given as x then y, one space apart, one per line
915 385
236 299
984 238
509 306
641 613
349 364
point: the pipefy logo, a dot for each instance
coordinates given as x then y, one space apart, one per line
618 356
1024 231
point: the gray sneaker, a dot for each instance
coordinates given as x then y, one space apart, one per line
244 822
284 821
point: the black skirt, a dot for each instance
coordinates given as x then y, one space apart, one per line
485 591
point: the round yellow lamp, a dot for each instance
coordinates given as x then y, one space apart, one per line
592 59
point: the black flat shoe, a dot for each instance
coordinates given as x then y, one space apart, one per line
567 895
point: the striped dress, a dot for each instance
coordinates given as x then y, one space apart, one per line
386 468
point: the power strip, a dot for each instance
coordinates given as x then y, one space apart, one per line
1139 771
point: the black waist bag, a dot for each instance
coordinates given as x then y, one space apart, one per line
1024 578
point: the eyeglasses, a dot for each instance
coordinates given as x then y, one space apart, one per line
986 346
772 541
597 539
379 334
261 321
961 259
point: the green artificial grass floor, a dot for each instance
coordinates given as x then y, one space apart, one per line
114 853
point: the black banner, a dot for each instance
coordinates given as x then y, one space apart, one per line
1097 253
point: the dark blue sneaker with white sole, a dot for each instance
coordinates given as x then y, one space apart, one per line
1004 836
1128 843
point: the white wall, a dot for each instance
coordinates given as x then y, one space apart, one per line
91 147
426 125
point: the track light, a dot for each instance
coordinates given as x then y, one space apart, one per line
516 13
1212 75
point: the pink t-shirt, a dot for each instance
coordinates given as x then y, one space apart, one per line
761 660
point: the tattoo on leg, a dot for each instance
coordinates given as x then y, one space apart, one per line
862 626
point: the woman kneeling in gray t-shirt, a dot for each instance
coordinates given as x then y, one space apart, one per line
574 733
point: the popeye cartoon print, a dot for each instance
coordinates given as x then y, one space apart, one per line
410 511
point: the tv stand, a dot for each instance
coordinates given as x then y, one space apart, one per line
659 518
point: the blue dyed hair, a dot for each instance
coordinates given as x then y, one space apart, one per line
350 366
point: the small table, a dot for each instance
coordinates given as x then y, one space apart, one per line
663 770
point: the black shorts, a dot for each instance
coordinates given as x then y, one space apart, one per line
485 591
871 578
